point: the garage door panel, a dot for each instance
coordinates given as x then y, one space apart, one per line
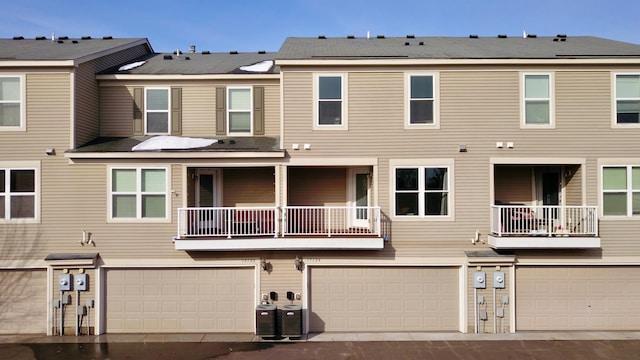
23 301
180 300
577 298
383 299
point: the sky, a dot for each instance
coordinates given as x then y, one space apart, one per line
248 25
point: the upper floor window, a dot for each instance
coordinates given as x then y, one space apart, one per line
421 191
157 111
18 193
627 98
421 106
11 103
537 100
621 190
239 110
139 193
330 102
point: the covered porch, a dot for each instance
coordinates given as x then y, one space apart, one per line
541 206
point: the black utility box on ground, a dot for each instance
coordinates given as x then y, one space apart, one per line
266 320
291 320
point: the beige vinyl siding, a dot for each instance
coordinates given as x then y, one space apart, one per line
23 301
248 187
116 111
199 111
87 109
317 186
502 324
272 110
70 309
513 184
573 186
281 277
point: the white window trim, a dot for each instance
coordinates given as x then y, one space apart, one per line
168 111
228 109
628 191
139 218
421 164
551 99
316 98
23 111
23 165
436 101
614 101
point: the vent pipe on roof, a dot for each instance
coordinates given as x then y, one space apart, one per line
368 34
53 37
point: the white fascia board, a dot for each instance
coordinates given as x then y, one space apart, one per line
187 77
38 63
405 61
544 242
174 155
282 243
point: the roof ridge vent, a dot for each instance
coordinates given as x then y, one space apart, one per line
502 36
86 38
321 37
561 35
74 41
380 36
261 52
107 37
411 36
533 36
63 38
406 43
41 38
351 36
233 52
18 38
473 36
206 52
168 57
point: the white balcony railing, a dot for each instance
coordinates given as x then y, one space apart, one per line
518 220
227 221
274 221
331 220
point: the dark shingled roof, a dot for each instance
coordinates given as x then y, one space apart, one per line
456 48
197 63
68 49
224 144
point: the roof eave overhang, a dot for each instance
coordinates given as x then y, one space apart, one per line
485 61
37 63
175 155
186 76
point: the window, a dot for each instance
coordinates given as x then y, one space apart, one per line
621 190
18 193
330 105
421 191
537 100
239 110
627 99
11 106
139 193
157 110
421 100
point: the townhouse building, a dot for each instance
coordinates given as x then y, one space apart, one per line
480 184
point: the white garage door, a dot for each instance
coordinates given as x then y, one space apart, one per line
180 300
383 299
578 298
23 301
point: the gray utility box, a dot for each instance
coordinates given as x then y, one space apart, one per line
266 320
291 320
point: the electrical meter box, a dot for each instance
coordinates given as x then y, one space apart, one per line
498 280
82 282
64 282
479 280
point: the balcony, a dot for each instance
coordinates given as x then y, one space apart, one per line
276 228
544 227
